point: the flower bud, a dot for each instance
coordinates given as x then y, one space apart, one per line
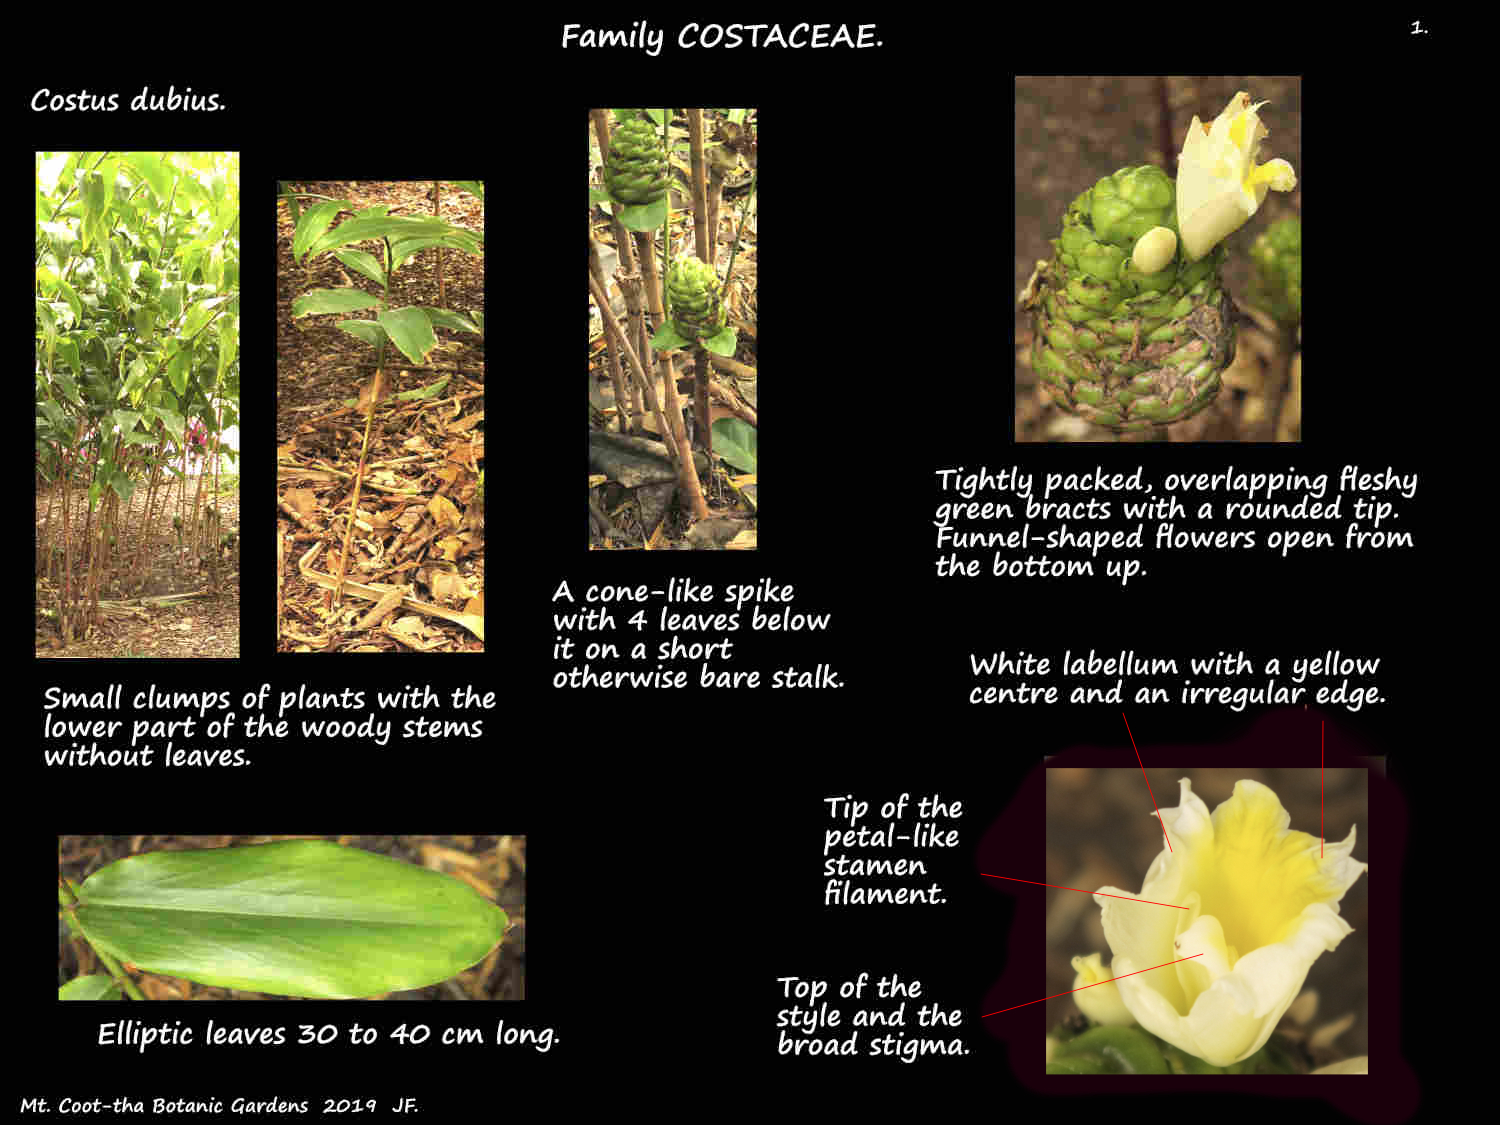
1154 249
1099 1001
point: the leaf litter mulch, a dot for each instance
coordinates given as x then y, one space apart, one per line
495 866
415 576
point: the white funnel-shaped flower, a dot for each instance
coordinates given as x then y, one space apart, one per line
1262 905
1219 183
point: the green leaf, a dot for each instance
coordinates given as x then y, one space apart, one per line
667 337
1114 1050
410 330
314 222
736 441
456 238
445 318
96 986
644 216
171 414
366 330
197 316
300 918
71 296
432 390
229 342
416 394
135 380
54 415
321 301
94 197
363 263
722 342
1076 1064
373 222
156 174
178 369
121 483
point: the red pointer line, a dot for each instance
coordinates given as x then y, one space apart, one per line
1154 805
1080 890
1322 763
1096 984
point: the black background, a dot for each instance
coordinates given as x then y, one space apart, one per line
675 837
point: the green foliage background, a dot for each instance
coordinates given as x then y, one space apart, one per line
137 307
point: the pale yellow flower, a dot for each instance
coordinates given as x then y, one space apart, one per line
1262 906
1096 995
1219 184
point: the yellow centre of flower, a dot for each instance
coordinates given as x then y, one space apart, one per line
1237 130
1262 904
1256 882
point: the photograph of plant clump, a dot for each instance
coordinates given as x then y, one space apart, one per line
137 404
380 417
1158 259
672 327
301 917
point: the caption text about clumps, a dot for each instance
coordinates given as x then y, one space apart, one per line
214 728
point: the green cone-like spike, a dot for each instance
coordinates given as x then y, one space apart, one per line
1125 349
636 169
1276 282
694 299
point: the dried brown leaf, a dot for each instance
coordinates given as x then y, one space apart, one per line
444 513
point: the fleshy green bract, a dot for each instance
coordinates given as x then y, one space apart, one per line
299 918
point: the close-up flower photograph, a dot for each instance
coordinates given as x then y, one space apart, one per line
1217 928
1158 259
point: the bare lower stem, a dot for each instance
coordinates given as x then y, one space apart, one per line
338 590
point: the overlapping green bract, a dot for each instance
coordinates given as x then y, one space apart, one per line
695 299
635 171
1122 207
1125 349
1276 281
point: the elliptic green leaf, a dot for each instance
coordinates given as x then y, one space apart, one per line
315 220
300 918
318 302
